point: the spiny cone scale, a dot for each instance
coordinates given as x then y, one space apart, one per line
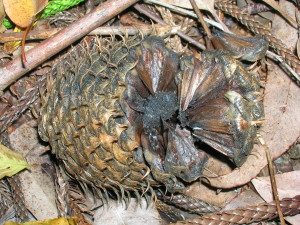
125 115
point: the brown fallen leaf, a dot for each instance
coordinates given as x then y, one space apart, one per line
279 9
288 186
246 198
282 30
37 184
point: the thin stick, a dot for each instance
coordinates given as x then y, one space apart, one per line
190 13
46 49
273 181
32 35
142 9
111 30
283 64
200 18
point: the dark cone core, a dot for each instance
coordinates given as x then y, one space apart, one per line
159 107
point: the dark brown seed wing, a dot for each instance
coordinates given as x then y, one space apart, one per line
222 106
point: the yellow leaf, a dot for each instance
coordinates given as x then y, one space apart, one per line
10 162
22 12
58 221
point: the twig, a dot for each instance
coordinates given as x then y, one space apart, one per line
142 9
111 30
200 18
273 180
32 35
183 11
283 64
46 49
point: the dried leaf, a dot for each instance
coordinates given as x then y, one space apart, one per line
287 185
282 29
243 199
58 221
37 186
279 9
10 162
22 12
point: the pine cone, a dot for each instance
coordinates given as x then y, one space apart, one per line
125 115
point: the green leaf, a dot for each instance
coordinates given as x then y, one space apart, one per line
55 6
10 162
7 23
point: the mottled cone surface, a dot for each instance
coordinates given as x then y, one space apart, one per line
125 115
